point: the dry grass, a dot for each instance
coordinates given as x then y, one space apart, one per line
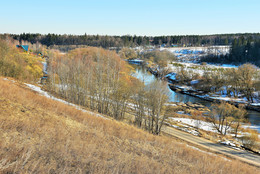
39 135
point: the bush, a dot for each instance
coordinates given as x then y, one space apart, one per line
19 65
251 140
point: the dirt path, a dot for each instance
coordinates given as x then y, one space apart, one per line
241 155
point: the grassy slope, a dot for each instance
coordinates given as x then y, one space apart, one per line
39 135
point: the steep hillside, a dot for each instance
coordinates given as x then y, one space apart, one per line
39 135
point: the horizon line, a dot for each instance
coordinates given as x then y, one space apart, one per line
242 33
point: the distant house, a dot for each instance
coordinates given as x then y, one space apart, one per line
23 47
163 45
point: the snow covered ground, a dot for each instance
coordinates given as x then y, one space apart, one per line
255 104
44 67
198 68
193 54
44 93
203 125
206 126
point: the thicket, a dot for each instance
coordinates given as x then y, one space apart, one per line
224 116
128 53
244 80
158 60
100 80
149 105
234 81
18 64
161 58
91 77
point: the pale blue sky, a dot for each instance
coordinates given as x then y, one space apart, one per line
140 17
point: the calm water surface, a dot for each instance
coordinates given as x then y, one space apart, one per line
145 76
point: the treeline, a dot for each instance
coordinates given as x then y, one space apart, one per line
89 40
243 50
100 80
132 41
234 82
202 40
18 64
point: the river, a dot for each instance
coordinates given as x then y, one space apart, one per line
145 76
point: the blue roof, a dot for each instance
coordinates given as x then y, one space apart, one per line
25 47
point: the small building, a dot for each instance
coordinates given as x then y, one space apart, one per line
23 47
163 45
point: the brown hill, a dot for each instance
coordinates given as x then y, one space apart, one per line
39 135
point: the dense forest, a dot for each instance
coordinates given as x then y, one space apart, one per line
133 41
243 50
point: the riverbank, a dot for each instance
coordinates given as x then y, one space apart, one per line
143 74
58 125
189 90
194 119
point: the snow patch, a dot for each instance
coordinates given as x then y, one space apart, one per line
232 145
196 123
170 104
44 93
193 82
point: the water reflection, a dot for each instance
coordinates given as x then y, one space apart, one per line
145 76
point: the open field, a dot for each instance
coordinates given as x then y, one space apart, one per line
194 54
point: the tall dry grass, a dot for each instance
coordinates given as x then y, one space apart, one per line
39 135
